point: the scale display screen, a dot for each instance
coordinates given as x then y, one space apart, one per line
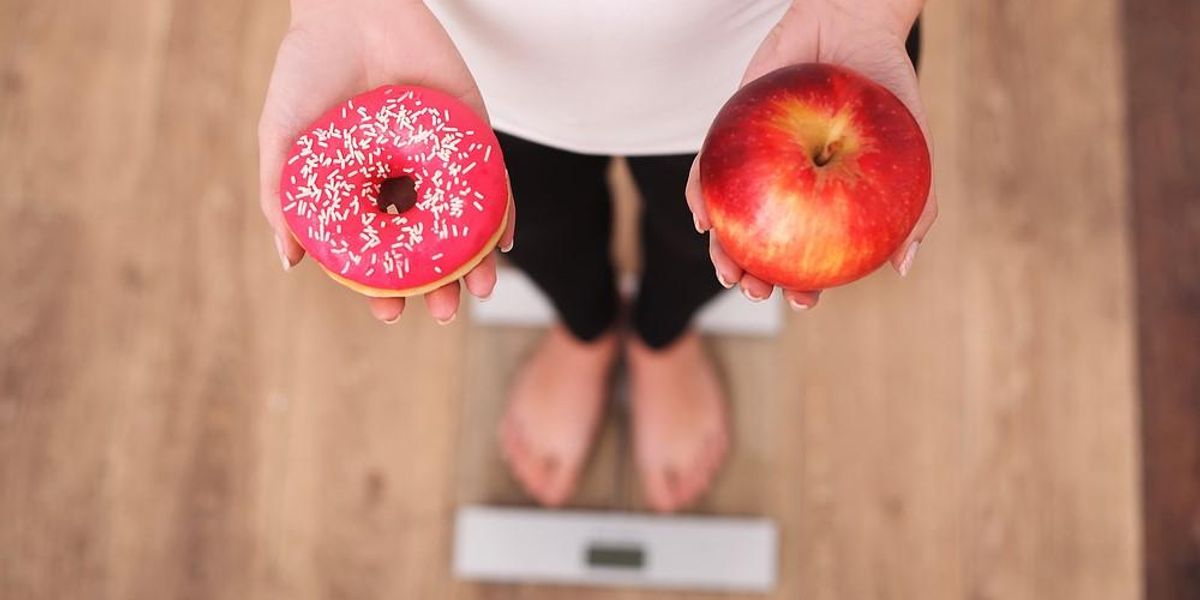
614 556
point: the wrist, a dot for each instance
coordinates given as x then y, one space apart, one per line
303 9
895 17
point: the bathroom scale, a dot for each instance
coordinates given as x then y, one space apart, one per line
516 300
525 545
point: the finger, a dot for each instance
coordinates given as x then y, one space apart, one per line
755 289
695 199
510 228
387 310
801 300
273 143
902 259
728 272
481 280
900 77
443 303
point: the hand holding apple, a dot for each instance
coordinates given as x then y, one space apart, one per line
871 43
813 175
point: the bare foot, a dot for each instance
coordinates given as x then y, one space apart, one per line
680 433
555 405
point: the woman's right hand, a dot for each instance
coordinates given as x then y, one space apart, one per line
336 49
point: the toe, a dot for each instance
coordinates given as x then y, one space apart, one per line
657 490
691 484
715 451
557 483
527 474
682 483
512 438
521 461
509 440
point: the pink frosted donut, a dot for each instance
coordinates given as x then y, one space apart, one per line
397 191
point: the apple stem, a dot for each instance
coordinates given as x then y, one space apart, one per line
826 154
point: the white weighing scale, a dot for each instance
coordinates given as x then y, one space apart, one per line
528 545
516 300
587 548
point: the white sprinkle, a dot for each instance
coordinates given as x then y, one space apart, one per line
294 158
468 169
437 270
478 206
487 153
437 256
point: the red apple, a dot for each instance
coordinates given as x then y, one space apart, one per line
813 176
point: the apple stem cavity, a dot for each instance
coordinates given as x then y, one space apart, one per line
827 153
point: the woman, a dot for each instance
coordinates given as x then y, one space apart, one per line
567 85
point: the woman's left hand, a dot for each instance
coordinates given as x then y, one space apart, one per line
865 35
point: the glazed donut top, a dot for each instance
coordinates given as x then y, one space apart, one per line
331 184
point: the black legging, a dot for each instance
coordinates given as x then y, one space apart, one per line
564 225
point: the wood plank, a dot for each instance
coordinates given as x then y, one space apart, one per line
1049 439
1163 91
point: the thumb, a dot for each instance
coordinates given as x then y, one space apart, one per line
273 143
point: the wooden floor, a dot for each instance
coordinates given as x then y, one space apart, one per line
178 419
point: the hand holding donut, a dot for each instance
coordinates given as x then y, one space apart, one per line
333 52
866 36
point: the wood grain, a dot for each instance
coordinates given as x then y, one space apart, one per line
178 419
1163 90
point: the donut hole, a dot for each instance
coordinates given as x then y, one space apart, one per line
397 195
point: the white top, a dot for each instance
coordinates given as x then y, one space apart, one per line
623 77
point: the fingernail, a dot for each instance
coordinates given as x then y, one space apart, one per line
485 298
506 249
724 284
696 222
447 321
393 320
284 261
909 255
796 306
746 293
